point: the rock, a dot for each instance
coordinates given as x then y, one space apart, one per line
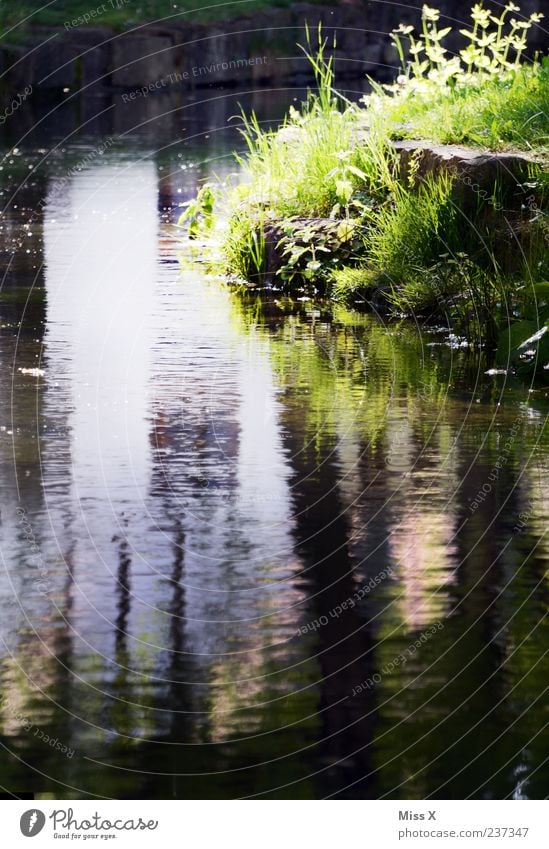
141 60
458 160
42 64
95 51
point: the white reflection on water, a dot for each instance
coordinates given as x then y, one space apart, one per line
100 253
162 440
100 247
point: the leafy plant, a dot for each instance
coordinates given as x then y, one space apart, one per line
198 218
312 251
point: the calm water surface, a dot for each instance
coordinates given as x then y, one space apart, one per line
248 548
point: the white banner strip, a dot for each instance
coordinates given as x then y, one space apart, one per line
276 824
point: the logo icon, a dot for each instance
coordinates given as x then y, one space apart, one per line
32 822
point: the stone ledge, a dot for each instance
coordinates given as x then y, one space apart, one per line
505 221
485 167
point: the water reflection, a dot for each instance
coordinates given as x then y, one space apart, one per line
238 523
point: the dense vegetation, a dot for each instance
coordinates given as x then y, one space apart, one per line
328 196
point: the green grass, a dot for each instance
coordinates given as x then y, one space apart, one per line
131 13
296 173
427 254
512 112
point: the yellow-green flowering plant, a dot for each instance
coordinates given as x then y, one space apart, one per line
494 48
486 94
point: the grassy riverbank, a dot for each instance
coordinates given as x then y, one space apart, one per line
16 18
328 205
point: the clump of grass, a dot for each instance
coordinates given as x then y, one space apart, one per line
486 95
496 114
422 255
244 246
413 228
295 171
356 286
310 168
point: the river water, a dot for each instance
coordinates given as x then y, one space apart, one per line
250 548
